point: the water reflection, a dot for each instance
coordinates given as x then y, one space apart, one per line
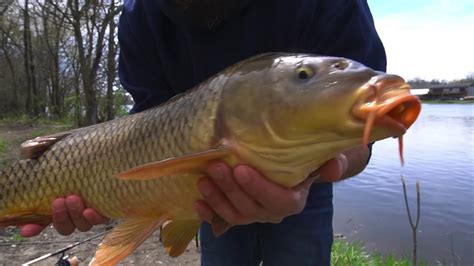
439 152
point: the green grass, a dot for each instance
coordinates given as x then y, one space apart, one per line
21 129
344 253
26 120
16 237
3 151
44 131
3 147
40 126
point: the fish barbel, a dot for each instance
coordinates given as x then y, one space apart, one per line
283 114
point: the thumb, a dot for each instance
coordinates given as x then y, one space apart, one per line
306 184
334 169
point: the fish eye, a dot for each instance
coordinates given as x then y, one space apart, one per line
305 72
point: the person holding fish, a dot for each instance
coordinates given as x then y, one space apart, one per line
167 47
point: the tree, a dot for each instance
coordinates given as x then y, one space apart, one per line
111 68
52 65
4 6
32 100
11 53
58 58
89 21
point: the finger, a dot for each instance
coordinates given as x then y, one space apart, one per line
219 226
93 217
76 208
30 230
273 197
274 219
218 201
61 220
204 211
74 261
306 184
301 194
334 169
302 190
223 177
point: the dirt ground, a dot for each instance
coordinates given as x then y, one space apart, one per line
15 250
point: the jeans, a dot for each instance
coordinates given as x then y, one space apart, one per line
303 239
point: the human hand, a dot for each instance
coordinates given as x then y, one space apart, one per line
242 196
332 170
68 214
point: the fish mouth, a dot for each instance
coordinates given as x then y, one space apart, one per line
387 103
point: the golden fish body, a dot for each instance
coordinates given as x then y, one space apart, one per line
86 161
284 114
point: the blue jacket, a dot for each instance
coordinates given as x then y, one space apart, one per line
165 50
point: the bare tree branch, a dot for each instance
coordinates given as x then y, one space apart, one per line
4 5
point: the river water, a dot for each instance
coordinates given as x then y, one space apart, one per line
439 153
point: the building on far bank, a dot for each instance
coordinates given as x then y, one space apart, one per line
446 92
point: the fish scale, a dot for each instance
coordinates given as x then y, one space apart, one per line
86 161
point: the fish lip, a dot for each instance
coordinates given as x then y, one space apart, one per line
398 125
384 95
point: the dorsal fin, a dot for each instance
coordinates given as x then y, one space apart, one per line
34 148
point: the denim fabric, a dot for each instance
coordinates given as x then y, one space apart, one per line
303 239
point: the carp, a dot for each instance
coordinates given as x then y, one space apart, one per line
283 114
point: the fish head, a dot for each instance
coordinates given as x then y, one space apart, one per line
288 114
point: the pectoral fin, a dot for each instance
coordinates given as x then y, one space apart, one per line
189 164
177 234
124 239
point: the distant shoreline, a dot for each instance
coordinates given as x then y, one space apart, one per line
447 101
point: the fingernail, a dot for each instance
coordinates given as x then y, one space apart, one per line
218 172
242 175
72 203
58 206
344 164
73 206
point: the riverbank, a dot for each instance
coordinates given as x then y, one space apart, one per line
355 254
15 250
15 130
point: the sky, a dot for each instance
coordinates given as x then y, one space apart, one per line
428 39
